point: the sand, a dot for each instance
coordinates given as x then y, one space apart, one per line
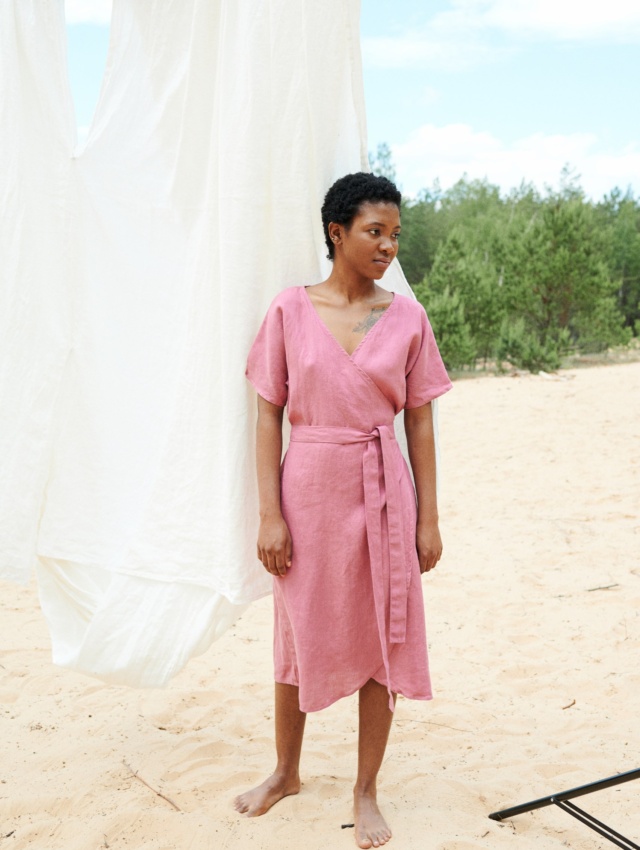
534 625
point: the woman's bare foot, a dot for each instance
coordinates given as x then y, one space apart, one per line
259 800
371 827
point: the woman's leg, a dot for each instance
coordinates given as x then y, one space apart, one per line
375 723
285 779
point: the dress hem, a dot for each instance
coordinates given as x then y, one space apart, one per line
423 697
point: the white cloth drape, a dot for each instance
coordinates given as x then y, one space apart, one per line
134 275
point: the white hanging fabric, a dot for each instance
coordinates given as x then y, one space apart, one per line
134 274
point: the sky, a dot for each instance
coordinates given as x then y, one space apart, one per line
507 90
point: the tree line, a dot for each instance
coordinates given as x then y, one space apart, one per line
523 278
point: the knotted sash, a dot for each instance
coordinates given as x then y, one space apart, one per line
398 566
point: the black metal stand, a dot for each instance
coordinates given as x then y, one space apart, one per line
561 801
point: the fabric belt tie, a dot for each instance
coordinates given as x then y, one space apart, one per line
399 569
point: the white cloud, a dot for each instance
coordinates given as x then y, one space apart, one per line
88 11
474 32
446 153
428 51
600 20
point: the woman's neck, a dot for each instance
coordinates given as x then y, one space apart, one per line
350 287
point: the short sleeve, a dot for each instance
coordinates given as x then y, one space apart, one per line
267 360
426 374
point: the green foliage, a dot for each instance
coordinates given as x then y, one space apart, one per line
423 228
557 278
526 277
602 327
619 215
523 349
461 268
446 314
382 162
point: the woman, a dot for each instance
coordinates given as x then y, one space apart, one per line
339 529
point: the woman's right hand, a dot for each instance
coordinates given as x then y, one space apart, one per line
274 545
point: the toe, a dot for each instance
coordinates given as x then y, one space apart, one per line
239 805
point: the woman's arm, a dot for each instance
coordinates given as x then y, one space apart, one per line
418 423
274 540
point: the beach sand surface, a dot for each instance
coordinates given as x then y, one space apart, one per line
534 629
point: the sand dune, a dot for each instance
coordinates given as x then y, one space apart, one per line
534 625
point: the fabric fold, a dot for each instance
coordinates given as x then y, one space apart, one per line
389 591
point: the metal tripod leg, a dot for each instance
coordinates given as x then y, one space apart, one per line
597 825
561 800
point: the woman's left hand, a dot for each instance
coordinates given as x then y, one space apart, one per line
428 544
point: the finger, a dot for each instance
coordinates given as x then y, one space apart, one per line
428 562
425 561
288 553
280 564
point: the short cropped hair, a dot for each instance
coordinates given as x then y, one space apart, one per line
344 199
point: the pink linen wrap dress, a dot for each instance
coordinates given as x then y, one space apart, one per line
350 608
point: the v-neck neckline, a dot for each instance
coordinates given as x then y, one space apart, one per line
323 325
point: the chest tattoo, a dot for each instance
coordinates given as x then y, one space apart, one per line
369 321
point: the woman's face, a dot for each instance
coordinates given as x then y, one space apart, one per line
369 244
